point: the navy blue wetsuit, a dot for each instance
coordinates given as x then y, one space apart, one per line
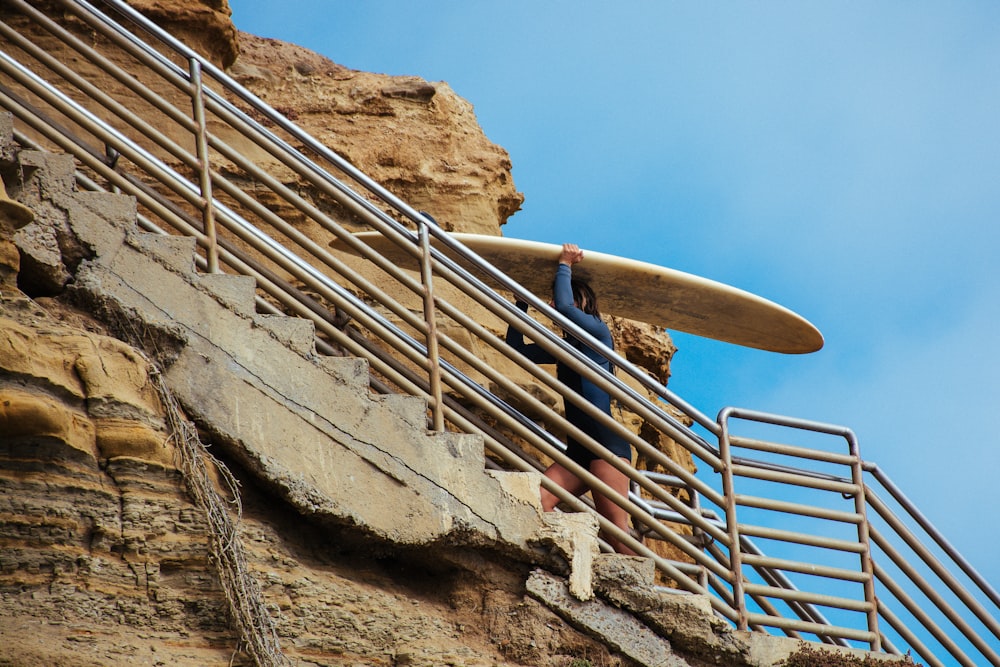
595 326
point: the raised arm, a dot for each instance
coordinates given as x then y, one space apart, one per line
533 352
562 292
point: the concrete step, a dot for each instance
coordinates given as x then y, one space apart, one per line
238 293
351 372
410 410
58 174
325 442
176 252
295 333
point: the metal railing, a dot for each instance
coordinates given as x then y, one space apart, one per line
829 573
825 484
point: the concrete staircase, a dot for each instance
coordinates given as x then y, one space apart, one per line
305 424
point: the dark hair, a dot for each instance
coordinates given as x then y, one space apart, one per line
584 296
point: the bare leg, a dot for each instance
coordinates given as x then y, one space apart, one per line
618 481
563 478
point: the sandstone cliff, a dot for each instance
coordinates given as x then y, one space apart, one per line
417 138
105 558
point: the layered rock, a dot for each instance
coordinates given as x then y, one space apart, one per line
97 535
416 138
105 559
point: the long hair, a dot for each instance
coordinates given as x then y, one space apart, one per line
585 298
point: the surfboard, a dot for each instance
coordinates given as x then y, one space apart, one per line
636 290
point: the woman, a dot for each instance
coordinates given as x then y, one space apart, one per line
577 302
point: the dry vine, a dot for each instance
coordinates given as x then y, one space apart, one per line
246 601
257 629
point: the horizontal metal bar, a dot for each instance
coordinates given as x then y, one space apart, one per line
804 568
789 422
805 596
813 628
792 450
797 508
775 577
794 477
800 538
664 479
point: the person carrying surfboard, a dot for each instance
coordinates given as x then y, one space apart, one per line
576 301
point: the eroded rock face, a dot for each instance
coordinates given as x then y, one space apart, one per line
97 532
85 391
104 558
204 25
416 138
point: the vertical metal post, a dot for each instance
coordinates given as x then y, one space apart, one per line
698 532
112 155
732 525
208 210
864 537
434 368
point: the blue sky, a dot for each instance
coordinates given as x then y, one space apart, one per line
839 158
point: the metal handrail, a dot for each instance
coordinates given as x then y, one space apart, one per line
403 354
384 195
855 490
925 525
184 188
504 302
888 551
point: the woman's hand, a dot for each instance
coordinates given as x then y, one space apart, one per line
571 254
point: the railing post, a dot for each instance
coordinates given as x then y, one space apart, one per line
208 210
732 524
112 155
434 368
695 498
864 537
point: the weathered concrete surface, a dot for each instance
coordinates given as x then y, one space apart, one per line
311 430
688 622
613 626
574 537
768 651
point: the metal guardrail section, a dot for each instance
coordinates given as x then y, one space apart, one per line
843 558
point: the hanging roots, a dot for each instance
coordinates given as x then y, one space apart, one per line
246 602
258 633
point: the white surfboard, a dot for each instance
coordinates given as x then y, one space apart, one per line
638 291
